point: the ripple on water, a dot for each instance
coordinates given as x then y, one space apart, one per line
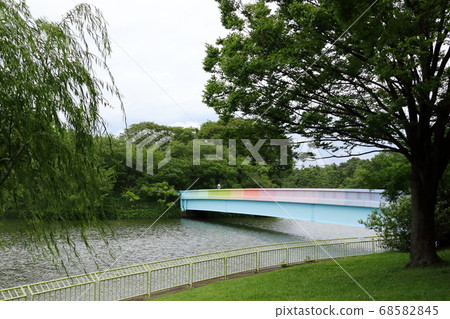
137 242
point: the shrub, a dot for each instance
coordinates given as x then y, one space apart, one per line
393 223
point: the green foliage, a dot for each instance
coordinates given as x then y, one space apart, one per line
393 223
388 171
329 176
180 172
442 216
287 63
50 99
161 192
130 196
356 72
144 211
135 194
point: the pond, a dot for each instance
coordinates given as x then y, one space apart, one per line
142 241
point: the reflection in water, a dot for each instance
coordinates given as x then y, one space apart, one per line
137 242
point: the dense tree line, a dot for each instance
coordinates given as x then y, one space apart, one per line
388 171
133 191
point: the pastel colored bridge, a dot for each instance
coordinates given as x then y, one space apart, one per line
337 206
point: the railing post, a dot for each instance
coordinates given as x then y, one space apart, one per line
258 260
315 252
225 261
95 291
345 249
191 272
149 282
287 255
96 280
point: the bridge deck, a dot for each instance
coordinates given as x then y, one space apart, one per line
338 206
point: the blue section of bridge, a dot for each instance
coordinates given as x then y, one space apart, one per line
335 206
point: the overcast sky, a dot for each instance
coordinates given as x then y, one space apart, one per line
159 40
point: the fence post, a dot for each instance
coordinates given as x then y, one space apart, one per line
287 254
225 260
373 246
345 249
95 290
315 252
96 280
191 272
149 282
258 261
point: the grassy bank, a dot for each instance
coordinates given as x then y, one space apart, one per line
381 275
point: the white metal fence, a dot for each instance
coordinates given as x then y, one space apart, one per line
141 280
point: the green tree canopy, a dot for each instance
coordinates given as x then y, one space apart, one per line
359 72
53 81
180 171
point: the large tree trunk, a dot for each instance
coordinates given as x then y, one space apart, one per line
424 183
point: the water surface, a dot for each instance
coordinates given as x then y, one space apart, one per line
142 241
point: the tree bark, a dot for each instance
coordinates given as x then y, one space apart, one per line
424 183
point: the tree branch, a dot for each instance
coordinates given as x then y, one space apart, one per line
345 156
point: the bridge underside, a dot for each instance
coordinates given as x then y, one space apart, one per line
335 214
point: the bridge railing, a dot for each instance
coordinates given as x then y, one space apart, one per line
146 279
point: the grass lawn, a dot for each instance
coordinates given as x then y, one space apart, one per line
381 275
